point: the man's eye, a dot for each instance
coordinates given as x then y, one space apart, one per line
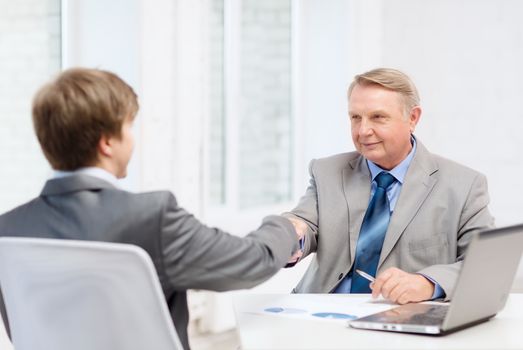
355 117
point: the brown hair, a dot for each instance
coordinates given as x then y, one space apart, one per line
72 113
391 79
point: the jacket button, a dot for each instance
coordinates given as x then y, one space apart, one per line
340 276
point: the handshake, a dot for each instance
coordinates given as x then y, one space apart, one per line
301 228
299 225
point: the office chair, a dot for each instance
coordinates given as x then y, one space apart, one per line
65 295
5 342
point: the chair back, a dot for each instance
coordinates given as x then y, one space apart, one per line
5 342
81 295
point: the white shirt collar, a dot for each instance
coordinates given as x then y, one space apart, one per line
91 171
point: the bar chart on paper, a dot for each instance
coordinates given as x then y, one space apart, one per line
315 307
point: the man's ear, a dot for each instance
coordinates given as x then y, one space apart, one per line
105 148
414 117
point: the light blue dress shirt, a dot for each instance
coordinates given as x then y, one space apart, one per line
393 192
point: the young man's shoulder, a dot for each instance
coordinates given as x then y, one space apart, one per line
152 201
21 210
148 199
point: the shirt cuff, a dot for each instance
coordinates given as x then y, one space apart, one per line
438 291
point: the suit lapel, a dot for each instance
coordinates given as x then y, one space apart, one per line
356 187
418 184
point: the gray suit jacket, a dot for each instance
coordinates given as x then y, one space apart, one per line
186 253
440 206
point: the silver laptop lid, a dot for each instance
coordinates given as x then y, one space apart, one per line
486 277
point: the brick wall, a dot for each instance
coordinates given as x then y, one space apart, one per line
29 56
261 99
265 106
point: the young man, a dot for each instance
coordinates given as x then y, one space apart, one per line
83 121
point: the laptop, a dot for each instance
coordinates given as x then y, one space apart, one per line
481 291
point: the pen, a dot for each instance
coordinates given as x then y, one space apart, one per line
365 275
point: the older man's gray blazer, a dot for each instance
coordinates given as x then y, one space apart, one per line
186 253
440 206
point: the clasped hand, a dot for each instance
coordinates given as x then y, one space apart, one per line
301 228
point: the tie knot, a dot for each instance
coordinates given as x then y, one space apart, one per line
384 180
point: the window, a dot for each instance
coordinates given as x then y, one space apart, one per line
250 133
30 54
217 134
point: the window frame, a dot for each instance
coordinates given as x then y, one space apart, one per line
220 215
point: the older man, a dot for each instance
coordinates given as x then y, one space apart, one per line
391 209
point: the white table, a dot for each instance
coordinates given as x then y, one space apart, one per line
261 331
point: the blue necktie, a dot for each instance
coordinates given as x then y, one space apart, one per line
372 234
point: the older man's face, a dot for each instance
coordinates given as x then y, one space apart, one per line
380 128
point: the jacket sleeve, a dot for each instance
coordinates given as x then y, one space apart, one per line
199 257
307 210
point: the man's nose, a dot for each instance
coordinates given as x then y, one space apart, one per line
365 127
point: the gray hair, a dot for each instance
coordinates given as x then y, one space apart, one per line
391 79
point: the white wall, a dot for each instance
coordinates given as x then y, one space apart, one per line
322 76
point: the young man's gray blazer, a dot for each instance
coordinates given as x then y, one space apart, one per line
186 254
440 206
